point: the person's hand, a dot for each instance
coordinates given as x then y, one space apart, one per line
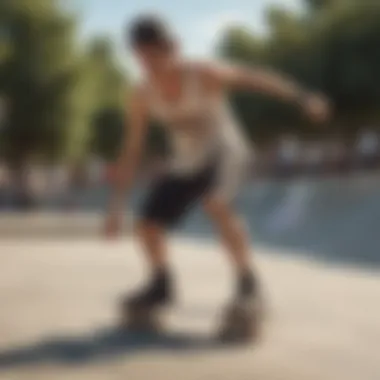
317 108
113 225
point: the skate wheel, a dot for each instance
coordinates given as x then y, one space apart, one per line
242 323
142 319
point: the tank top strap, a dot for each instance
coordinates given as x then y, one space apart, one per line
190 92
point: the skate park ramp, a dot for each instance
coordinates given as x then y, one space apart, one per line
335 220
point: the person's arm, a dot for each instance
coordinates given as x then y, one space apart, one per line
131 150
267 82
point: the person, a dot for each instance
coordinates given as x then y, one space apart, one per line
209 154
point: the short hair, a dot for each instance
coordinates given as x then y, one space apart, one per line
149 30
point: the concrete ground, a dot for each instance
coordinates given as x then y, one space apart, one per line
58 314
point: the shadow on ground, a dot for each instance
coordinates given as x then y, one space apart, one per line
104 344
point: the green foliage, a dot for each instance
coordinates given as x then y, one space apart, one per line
57 90
35 76
99 101
331 47
66 99
108 132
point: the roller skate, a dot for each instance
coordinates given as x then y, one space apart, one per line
144 311
243 318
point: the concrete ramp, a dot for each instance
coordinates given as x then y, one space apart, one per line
335 220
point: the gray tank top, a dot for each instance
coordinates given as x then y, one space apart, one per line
199 127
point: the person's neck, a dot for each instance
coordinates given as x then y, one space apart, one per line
166 70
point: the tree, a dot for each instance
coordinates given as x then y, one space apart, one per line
36 76
330 47
108 108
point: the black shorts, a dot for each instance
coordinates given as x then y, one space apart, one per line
173 195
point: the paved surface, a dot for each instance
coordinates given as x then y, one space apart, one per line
57 317
50 225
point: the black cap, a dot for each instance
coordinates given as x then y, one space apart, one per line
149 30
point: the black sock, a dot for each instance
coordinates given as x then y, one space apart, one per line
160 273
247 283
161 279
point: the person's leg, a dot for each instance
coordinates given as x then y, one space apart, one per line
152 238
168 203
157 215
158 290
234 237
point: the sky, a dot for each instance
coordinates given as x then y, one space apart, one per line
197 22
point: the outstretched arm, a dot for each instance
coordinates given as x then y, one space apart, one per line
266 82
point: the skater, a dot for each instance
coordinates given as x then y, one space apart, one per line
209 158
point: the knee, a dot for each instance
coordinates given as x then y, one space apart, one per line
219 210
223 214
